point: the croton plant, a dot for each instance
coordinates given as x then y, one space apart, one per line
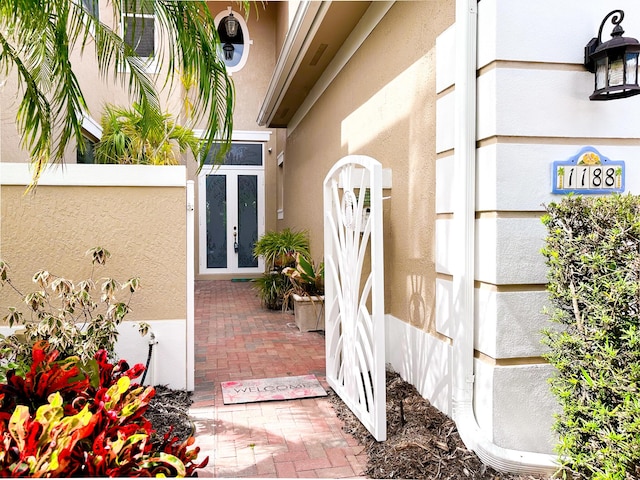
68 418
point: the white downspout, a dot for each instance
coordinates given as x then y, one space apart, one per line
502 459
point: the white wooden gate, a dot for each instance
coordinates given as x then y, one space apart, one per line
354 289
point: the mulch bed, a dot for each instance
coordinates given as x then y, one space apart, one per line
422 442
170 409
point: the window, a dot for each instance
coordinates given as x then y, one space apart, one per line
234 44
138 23
91 134
249 154
92 7
89 146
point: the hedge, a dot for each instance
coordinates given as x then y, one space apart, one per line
593 253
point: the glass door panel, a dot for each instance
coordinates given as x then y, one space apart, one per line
216 211
247 220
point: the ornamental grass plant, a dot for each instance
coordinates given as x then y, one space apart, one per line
279 249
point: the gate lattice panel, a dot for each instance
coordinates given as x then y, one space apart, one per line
354 289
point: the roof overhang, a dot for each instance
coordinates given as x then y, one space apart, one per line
317 34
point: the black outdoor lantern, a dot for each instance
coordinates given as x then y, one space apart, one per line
231 24
228 50
615 63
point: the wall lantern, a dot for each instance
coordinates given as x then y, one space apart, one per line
231 23
615 62
228 50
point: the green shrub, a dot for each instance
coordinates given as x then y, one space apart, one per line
66 314
68 418
593 251
306 279
128 137
271 288
279 250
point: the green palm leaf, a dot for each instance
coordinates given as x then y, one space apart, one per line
38 36
129 137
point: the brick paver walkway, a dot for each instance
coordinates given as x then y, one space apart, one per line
237 339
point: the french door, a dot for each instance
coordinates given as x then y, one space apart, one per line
231 219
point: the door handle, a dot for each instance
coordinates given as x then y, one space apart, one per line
235 239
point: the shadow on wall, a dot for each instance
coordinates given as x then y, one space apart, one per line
413 349
421 360
417 302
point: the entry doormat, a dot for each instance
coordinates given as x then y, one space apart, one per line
269 389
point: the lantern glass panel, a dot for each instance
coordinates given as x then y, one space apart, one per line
616 71
632 69
601 73
231 24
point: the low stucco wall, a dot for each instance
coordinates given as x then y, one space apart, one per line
143 228
136 212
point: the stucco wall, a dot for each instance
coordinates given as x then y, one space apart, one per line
97 89
139 214
533 108
388 114
250 87
143 228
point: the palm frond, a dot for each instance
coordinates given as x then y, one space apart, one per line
38 36
34 112
193 51
130 137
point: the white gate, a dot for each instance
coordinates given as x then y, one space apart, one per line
354 289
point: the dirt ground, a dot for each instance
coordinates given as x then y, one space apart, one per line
422 442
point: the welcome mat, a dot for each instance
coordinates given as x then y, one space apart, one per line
269 389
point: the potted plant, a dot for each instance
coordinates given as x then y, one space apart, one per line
307 292
279 250
272 288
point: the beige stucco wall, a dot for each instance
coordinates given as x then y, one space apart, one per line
382 104
10 150
284 15
86 67
251 85
143 228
